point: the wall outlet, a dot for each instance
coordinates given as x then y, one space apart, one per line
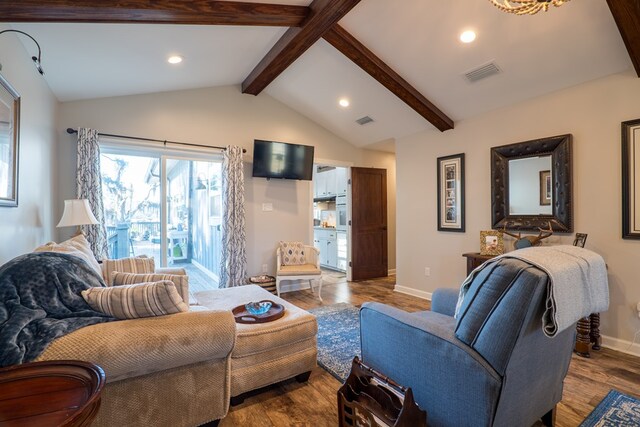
267 207
264 268
427 271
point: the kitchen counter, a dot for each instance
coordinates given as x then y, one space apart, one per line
318 227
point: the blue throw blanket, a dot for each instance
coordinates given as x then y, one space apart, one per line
40 301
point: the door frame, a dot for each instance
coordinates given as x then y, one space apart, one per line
348 166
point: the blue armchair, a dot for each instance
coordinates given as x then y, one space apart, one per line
493 366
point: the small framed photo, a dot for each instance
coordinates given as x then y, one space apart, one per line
491 243
545 188
451 193
580 240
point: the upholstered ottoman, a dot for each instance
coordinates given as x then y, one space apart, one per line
266 353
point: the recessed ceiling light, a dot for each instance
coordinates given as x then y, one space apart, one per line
175 59
467 36
344 102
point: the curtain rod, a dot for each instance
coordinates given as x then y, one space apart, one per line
164 141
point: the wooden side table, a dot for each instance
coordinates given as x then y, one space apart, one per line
474 259
53 393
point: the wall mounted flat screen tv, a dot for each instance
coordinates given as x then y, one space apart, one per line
281 160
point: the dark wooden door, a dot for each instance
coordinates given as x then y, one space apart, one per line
368 223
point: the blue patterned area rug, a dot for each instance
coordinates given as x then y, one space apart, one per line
338 338
615 410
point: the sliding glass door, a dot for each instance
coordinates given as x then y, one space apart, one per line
166 206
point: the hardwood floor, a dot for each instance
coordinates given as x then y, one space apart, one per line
314 403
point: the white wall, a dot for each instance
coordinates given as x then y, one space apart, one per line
221 116
592 112
31 223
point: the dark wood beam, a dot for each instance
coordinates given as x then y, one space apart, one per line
339 38
194 12
323 15
627 16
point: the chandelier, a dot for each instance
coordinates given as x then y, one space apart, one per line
526 7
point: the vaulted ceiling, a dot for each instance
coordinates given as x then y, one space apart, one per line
400 63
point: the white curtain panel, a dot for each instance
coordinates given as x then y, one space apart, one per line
89 186
234 240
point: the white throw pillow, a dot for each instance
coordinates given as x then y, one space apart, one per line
77 246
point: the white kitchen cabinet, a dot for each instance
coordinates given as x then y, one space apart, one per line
327 243
324 184
341 181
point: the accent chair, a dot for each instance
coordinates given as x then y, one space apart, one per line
493 366
307 267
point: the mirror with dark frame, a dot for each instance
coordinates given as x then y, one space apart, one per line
531 185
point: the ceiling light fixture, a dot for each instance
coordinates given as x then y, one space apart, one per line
526 7
467 36
344 102
175 59
36 59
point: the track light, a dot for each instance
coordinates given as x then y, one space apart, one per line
36 59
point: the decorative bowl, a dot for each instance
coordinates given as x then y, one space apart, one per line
257 308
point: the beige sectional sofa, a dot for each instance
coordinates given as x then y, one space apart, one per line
161 371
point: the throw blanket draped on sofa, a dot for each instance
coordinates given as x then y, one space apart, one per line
577 286
40 301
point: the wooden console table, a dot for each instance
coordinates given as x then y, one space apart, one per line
588 328
474 259
54 393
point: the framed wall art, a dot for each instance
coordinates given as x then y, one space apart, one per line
451 193
545 188
9 143
491 242
631 179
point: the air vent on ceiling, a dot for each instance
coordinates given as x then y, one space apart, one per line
482 72
364 120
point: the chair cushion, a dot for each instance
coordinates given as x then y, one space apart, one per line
292 253
135 301
181 281
299 270
139 265
77 246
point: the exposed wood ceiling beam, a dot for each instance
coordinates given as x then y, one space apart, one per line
339 38
195 12
627 16
324 14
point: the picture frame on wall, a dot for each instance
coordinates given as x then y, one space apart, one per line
9 143
451 193
545 188
631 179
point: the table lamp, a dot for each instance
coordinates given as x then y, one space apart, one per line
76 213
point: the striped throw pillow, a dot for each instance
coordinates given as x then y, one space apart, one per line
142 265
135 301
181 281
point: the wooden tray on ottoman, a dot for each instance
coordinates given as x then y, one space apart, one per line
275 312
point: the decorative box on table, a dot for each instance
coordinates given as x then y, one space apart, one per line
370 399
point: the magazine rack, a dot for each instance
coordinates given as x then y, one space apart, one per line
370 399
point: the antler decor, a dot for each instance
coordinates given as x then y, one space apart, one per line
528 241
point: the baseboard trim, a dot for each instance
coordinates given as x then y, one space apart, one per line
413 292
392 272
623 346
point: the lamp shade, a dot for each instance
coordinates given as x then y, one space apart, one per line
77 212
